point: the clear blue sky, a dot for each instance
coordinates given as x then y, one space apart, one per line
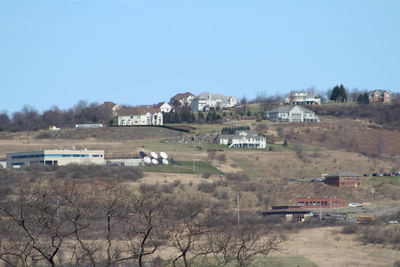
143 52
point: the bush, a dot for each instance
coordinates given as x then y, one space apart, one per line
206 175
237 177
206 187
350 229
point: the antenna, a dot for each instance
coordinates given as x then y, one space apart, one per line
154 155
165 161
147 160
142 154
163 155
154 161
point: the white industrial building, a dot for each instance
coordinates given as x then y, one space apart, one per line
206 102
55 157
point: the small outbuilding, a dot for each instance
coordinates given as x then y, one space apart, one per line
289 213
343 179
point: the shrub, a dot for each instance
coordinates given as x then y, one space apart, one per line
206 187
206 175
350 229
237 177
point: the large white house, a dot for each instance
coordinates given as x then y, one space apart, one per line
302 98
242 139
292 114
207 101
55 157
144 115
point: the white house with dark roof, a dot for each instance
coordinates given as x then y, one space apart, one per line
207 101
242 139
292 114
143 115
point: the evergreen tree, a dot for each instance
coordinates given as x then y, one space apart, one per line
339 94
363 98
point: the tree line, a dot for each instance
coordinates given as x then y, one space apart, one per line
61 223
184 114
28 118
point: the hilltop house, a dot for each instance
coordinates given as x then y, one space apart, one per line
164 107
292 114
182 99
110 107
384 96
242 139
207 101
142 115
302 98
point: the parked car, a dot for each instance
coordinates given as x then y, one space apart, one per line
393 222
366 174
355 205
387 174
317 180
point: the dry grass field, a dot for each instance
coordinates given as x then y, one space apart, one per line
326 247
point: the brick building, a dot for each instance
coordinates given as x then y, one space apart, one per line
321 202
343 179
384 96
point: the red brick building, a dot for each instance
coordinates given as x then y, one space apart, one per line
343 179
321 202
384 96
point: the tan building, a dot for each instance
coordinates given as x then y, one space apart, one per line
143 115
384 96
182 99
55 157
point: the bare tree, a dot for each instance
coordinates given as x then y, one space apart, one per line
185 226
242 243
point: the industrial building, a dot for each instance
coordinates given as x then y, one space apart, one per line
55 157
343 179
321 202
289 213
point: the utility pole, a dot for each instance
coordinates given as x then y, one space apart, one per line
238 209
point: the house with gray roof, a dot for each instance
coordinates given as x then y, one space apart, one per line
207 101
242 139
292 114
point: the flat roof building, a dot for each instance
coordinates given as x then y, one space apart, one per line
55 157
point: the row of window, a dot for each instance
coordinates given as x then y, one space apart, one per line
56 156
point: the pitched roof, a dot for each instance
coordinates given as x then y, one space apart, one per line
206 95
288 108
128 111
181 96
343 173
107 105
